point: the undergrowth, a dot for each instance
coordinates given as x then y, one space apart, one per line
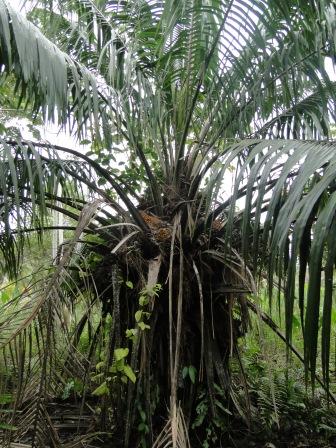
282 410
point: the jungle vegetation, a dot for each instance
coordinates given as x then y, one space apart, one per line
207 177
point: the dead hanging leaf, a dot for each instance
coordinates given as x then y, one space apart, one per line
175 432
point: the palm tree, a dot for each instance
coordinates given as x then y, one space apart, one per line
166 255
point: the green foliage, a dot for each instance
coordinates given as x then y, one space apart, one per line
73 387
119 368
120 353
102 389
143 428
174 98
189 371
141 315
280 408
215 424
7 427
6 398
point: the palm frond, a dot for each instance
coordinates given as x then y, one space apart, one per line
299 192
45 74
32 317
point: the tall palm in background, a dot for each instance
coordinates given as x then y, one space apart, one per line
188 97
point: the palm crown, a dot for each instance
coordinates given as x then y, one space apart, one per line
189 91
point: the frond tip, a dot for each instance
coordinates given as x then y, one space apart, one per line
45 74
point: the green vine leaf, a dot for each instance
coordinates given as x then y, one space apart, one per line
128 371
192 374
143 326
120 353
100 365
101 390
